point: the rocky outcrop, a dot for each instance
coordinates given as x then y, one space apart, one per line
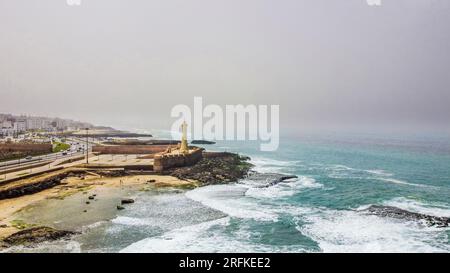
393 212
30 188
25 186
204 142
217 170
36 235
269 179
108 173
127 201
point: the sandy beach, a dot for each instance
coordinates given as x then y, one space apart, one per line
77 202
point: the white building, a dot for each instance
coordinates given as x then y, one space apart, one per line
20 125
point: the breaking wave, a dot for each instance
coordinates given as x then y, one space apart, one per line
352 231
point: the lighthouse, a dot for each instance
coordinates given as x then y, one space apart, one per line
184 146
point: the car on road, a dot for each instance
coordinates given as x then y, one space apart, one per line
29 157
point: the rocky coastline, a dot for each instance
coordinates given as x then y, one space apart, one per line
397 213
35 235
214 168
222 169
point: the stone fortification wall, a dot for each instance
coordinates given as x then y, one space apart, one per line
130 149
164 161
25 147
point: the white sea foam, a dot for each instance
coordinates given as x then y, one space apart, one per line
184 239
352 231
230 200
345 172
402 182
387 177
379 172
283 189
132 221
267 165
205 237
274 162
342 167
93 226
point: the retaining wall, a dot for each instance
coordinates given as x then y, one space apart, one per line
166 161
25 147
130 149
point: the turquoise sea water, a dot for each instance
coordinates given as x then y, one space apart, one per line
321 211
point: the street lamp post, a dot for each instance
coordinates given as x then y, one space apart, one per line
87 145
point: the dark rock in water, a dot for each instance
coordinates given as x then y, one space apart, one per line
3 226
202 142
120 208
151 181
87 202
388 211
127 201
222 169
269 179
91 197
37 235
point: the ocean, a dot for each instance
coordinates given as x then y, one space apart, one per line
320 211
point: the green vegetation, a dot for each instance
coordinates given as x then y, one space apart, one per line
59 147
20 224
144 189
187 186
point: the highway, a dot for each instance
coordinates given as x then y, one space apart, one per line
77 147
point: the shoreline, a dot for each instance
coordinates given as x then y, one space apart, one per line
20 213
84 197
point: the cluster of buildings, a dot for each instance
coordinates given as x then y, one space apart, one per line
11 125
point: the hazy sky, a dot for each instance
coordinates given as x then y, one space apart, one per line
328 63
